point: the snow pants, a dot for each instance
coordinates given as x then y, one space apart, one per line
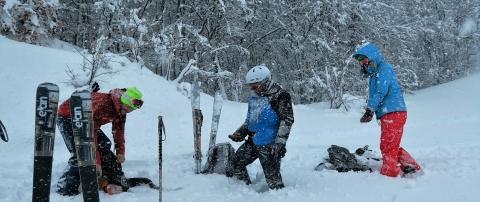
246 154
394 156
69 182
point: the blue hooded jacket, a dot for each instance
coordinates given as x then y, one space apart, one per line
385 94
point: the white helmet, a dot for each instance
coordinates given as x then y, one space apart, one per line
259 73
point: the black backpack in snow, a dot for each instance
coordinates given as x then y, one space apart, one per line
219 157
340 159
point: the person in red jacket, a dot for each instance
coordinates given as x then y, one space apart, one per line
107 108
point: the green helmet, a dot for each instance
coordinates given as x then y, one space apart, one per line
132 98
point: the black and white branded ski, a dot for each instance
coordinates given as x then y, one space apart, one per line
197 126
82 127
45 119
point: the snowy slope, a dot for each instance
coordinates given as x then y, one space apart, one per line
441 134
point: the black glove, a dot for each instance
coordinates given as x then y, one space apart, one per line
237 137
95 87
367 117
278 150
361 151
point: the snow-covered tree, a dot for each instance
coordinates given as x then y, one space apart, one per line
307 44
5 20
93 67
33 21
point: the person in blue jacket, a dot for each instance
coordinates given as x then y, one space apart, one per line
268 124
385 99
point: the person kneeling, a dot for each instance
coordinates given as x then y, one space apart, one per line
268 123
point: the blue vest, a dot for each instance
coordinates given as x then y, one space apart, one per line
262 120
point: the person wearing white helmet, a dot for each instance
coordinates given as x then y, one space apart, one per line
267 126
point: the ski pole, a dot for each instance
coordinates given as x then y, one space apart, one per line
161 131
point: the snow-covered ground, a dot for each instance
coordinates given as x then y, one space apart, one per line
441 133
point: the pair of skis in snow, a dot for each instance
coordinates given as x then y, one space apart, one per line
218 154
82 127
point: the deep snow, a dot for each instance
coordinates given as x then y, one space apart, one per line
441 133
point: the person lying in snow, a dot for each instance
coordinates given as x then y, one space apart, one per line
113 179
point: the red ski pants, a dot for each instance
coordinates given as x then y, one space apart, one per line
394 156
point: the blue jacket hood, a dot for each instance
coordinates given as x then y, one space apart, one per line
371 51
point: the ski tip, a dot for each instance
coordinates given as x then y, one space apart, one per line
49 86
82 93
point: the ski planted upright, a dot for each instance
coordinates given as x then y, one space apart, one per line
197 126
217 110
45 121
82 127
